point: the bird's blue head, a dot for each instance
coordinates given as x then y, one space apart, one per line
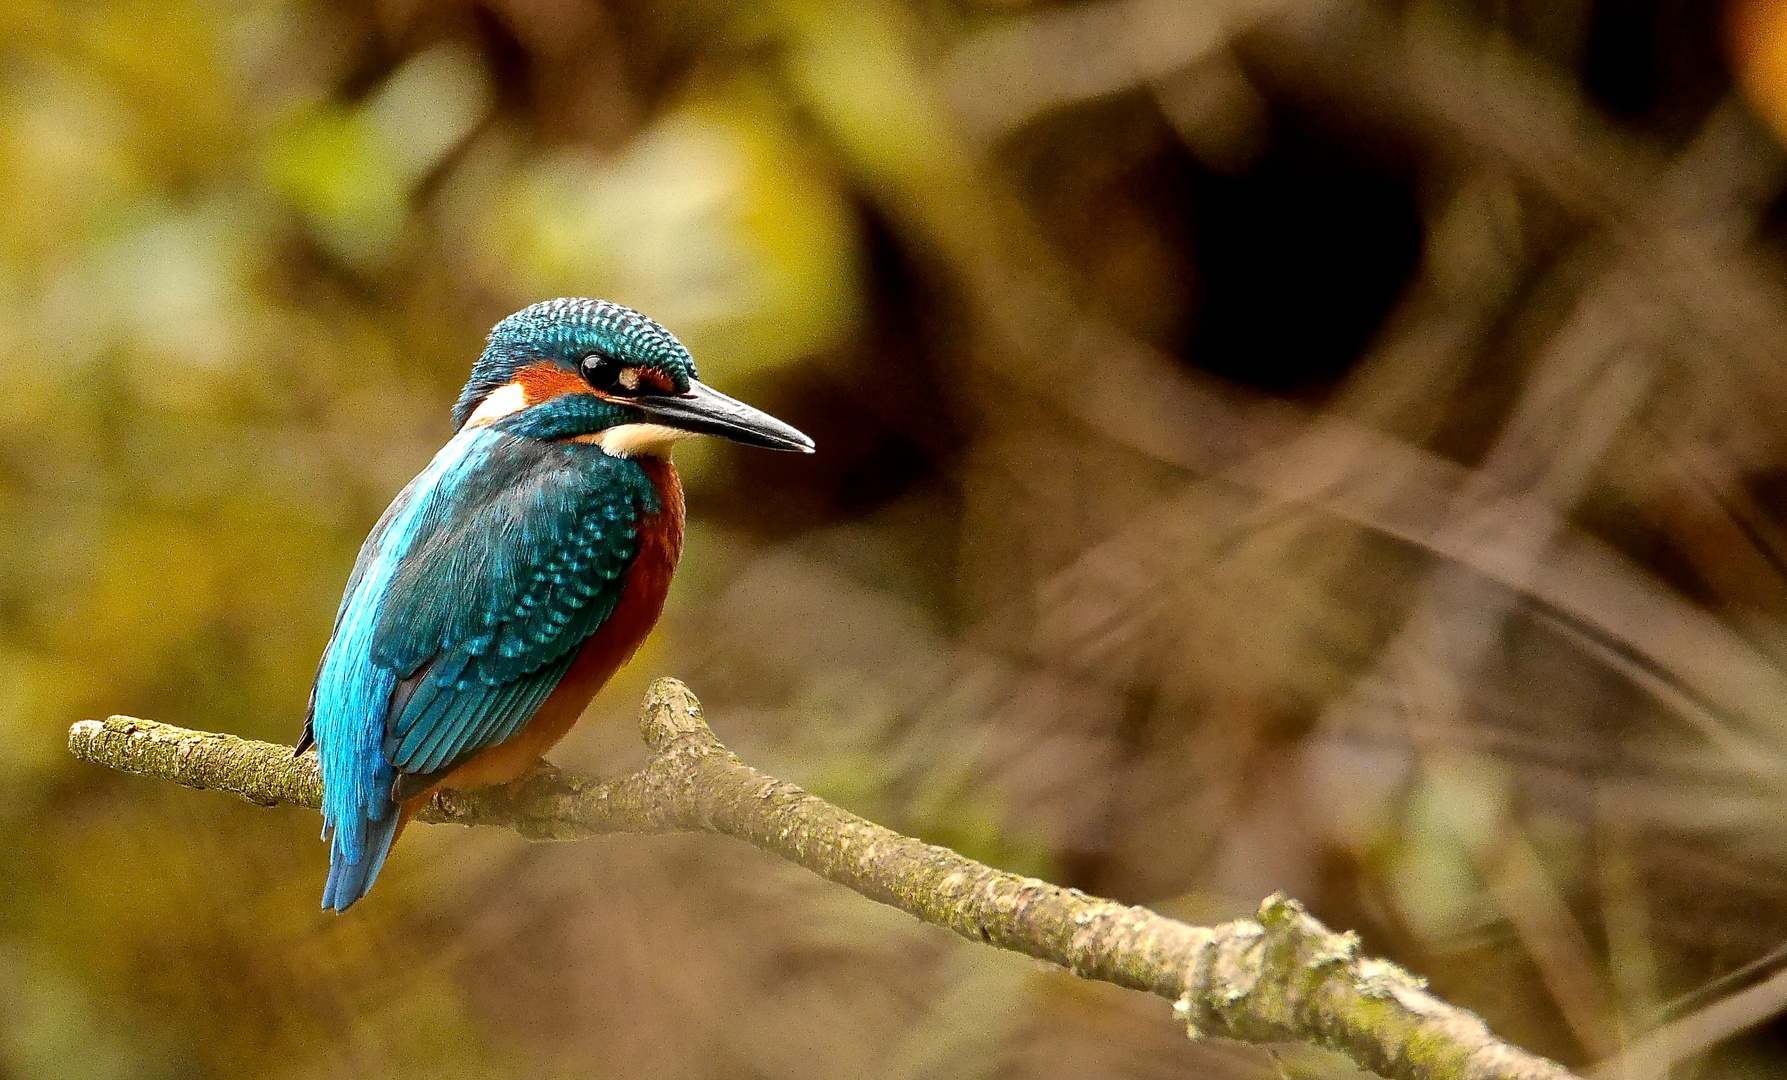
599 372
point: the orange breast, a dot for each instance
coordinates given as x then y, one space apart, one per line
606 650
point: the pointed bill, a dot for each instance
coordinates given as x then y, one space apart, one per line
706 411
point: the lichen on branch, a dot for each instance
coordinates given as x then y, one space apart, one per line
1283 977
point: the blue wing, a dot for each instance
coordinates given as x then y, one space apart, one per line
467 604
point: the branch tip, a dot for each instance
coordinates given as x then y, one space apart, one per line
672 714
79 734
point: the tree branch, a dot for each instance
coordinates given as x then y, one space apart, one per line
1284 977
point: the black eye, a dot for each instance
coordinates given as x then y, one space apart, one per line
600 371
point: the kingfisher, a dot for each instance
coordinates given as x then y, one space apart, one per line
515 575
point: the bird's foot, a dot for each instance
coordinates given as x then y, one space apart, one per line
541 769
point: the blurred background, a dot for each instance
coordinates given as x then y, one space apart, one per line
1321 445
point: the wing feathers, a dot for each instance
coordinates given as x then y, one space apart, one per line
466 607
514 569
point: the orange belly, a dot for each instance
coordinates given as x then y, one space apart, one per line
603 654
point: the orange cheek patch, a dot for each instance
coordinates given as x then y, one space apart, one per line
543 382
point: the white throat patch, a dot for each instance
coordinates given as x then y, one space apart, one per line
637 440
504 400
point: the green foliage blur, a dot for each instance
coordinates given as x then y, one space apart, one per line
1070 295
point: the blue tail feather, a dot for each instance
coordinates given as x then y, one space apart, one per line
349 881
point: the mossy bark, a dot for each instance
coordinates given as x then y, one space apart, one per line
1284 977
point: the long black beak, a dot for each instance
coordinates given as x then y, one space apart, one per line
709 412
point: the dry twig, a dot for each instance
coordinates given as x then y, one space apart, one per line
1284 977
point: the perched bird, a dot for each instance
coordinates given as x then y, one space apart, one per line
507 583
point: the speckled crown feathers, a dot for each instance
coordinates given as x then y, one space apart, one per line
564 329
